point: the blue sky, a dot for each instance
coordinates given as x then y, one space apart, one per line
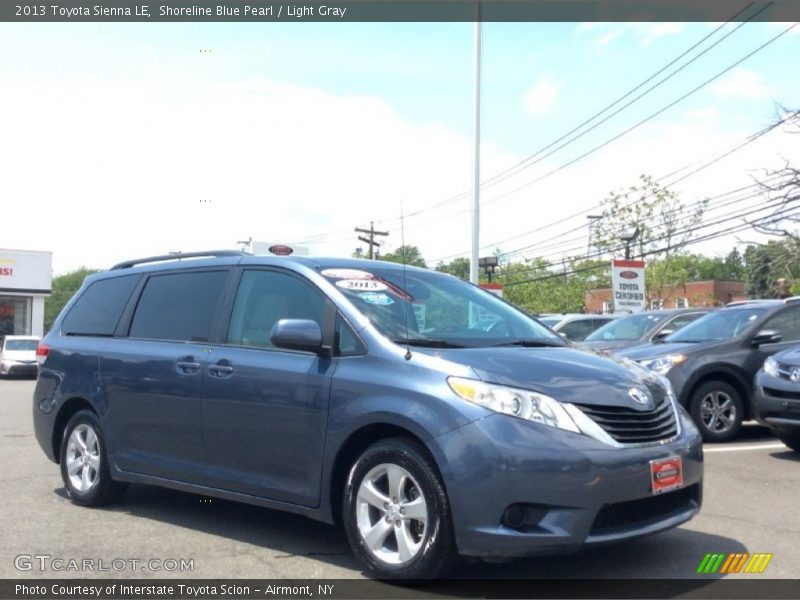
366 114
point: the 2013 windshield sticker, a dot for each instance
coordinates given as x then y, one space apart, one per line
365 285
346 274
376 298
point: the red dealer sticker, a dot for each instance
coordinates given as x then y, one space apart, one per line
666 474
629 274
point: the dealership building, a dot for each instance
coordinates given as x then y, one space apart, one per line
26 278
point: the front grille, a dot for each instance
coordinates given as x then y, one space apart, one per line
782 394
641 512
629 426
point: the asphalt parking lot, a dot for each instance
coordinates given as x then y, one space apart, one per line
750 505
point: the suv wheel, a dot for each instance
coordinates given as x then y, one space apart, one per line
791 440
717 409
396 513
84 462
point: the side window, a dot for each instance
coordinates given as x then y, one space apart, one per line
347 342
265 297
99 308
577 330
682 321
787 322
179 306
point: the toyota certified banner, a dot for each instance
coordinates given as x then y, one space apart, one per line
627 282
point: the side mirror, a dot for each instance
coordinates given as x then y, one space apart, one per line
297 334
766 336
658 337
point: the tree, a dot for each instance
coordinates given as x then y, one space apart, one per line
665 226
410 255
64 287
766 264
458 267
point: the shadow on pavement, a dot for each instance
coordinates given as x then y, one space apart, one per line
674 554
787 454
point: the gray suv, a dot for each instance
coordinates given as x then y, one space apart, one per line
430 417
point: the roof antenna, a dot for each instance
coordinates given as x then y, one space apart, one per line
405 284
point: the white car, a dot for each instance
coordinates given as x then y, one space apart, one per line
18 355
575 326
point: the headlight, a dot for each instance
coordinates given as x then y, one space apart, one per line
523 404
771 367
663 364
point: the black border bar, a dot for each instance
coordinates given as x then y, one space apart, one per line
334 589
394 10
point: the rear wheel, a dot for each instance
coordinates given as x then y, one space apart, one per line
396 513
84 462
717 409
791 440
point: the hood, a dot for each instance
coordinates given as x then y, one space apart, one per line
647 351
789 357
565 374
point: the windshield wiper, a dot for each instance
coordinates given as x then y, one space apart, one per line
530 344
426 343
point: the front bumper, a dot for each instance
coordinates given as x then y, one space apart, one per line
776 403
587 492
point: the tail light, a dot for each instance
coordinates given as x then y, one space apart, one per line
42 350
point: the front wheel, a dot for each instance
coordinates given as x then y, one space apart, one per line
84 462
718 411
396 513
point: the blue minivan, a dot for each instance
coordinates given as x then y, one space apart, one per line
431 418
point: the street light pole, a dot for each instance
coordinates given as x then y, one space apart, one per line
476 158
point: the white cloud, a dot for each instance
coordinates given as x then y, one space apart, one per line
706 113
742 83
540 98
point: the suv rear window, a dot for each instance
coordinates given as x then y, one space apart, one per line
179 306
98 309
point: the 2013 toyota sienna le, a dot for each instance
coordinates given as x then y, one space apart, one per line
430 417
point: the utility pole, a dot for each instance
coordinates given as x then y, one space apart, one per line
371 239
476 150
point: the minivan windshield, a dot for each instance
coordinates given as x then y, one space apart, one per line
631 327
719 325
436 310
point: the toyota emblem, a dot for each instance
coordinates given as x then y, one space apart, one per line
639 396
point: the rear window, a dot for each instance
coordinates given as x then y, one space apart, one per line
98 310
21 345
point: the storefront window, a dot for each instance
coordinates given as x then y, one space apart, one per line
15 315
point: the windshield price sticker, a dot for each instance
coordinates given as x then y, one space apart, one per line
378 298
362 285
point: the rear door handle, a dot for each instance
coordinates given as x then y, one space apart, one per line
221 368
187 365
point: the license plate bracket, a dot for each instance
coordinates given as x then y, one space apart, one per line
666 474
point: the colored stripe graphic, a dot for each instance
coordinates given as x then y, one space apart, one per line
725 563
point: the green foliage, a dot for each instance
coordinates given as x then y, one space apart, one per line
458 267
64 287
408 254
766 264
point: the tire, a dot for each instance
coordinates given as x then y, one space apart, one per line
791 440
402 546
84 462
717 410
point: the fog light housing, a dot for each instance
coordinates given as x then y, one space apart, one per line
524 517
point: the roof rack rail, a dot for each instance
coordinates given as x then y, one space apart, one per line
751 301
792 299
178 256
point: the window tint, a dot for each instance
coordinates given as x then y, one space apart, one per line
682 321
179 306
265 297
577 330
99 308
787 322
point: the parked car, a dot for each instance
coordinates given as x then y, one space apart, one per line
712 362
638 328
776 401
362 392
18 355
576 326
